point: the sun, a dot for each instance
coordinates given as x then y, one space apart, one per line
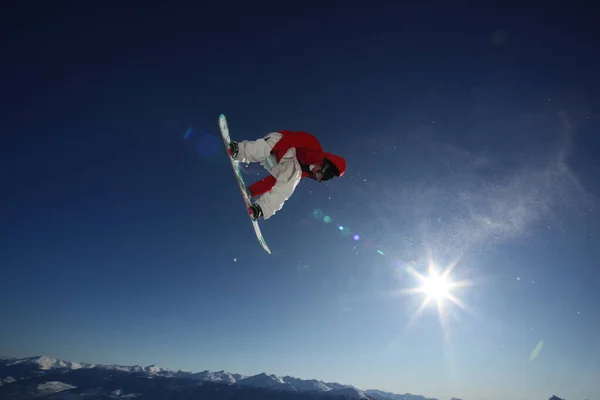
436 286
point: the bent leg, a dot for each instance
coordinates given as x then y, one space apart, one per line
253 150
287 174
257 150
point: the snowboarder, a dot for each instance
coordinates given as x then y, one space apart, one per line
288 156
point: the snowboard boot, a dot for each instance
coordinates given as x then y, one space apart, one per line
233 149
255 212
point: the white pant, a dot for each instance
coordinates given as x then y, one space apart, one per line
287 172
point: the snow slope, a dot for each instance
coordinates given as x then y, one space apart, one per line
51 387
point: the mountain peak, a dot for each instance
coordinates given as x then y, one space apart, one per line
44 362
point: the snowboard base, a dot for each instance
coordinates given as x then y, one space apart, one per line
240 180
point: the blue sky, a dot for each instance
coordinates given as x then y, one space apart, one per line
469 136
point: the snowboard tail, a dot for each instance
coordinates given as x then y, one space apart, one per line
240 180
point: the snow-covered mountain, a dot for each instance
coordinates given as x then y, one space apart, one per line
266 381
217 377
24 378
35 377
42 363
313 384
381 395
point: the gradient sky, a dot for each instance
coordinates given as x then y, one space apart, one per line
471 136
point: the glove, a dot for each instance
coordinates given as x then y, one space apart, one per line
255 212
269 162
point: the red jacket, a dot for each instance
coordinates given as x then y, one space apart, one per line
308 151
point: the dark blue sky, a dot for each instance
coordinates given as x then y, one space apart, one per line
471 135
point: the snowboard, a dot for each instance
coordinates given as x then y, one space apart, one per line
240 180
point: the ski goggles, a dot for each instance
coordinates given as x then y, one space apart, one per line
325 173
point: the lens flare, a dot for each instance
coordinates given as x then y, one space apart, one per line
346 231
536 351
188 133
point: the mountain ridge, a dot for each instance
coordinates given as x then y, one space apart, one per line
39 376
43 376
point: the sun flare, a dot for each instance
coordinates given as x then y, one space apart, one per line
436 286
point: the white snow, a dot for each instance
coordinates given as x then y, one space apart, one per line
124 368
47 363
350 392
265 380
7 380
262 380
309 385
75 365
218 376
380 394
154 370
273 381
118 394
51 387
